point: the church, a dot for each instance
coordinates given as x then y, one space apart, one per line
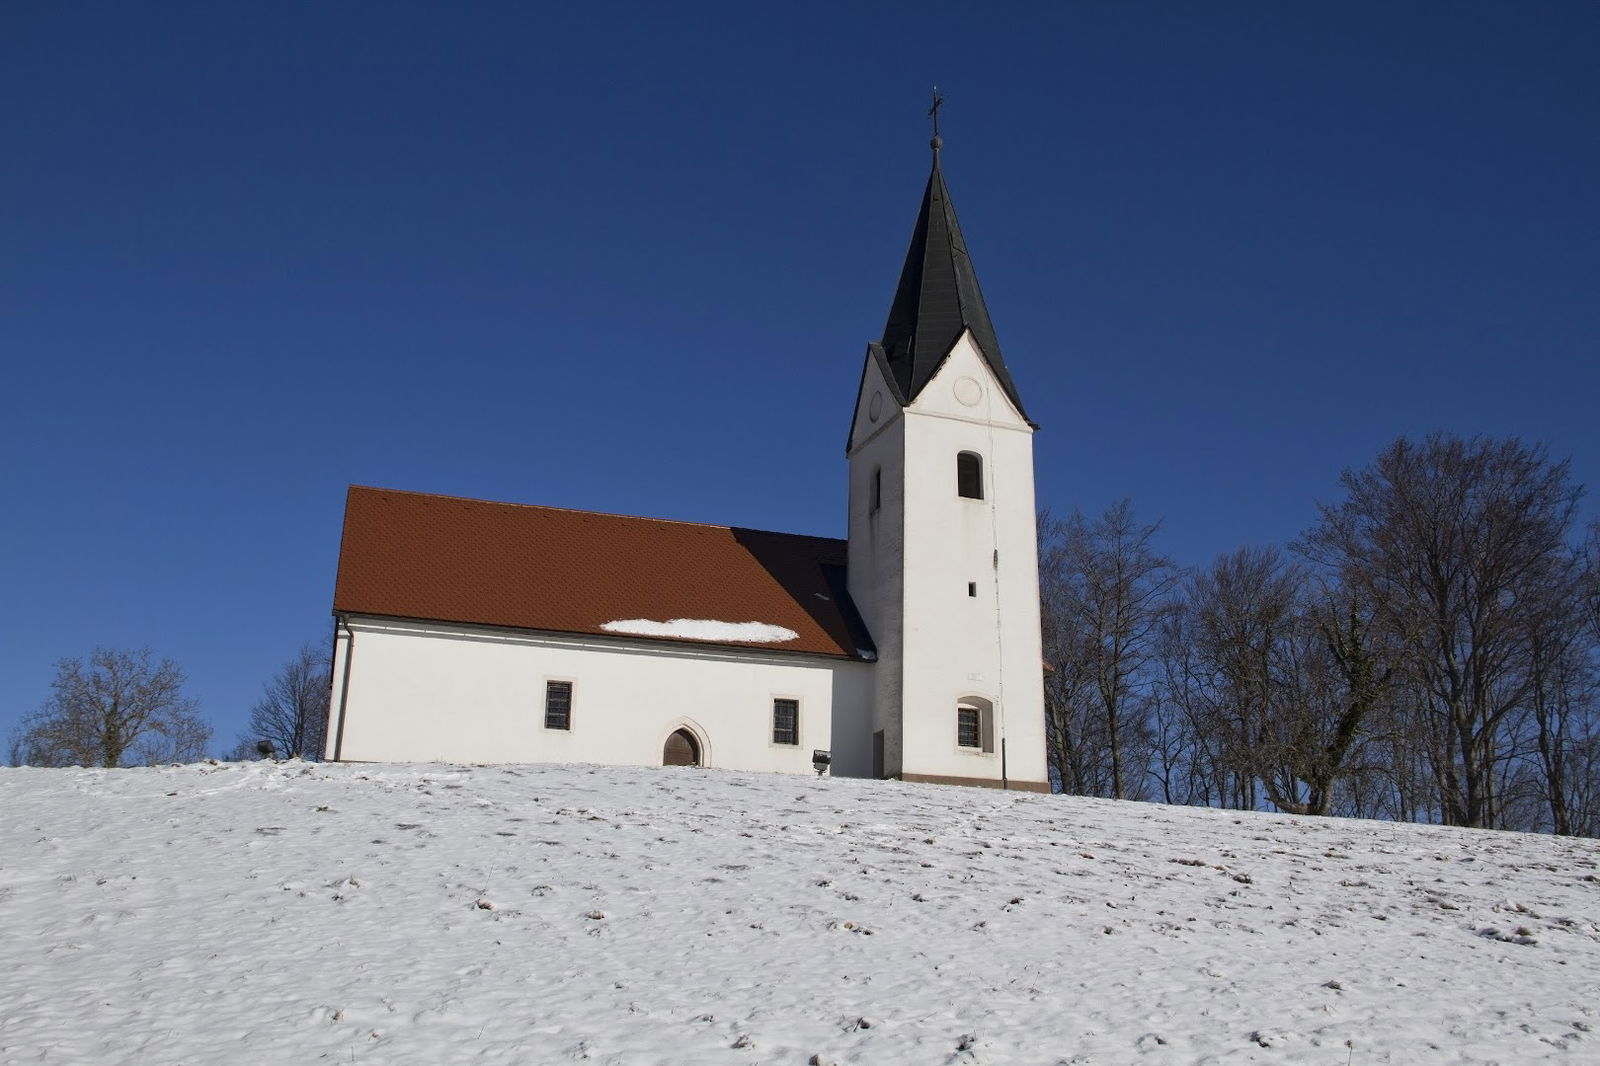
482 632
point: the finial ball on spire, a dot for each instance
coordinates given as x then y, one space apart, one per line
937 142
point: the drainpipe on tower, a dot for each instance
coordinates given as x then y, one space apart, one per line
344 684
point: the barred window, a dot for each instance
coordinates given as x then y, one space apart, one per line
786 721
558 704
969 727
969 475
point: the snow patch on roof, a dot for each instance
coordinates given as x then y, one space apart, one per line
703 629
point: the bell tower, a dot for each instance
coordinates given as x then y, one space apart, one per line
943 550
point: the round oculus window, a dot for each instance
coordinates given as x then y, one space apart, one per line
969 392
875 406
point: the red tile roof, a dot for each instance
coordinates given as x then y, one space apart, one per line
447 559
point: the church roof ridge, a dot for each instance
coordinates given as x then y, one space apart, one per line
595 514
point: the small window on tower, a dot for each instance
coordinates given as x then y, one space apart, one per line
969 475
875 493
972 588
975 725
558 705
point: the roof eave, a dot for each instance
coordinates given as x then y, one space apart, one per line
857 655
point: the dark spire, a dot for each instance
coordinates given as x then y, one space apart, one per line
938 296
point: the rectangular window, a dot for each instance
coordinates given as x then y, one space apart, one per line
972 588
876 495
558 704
969 727
786 721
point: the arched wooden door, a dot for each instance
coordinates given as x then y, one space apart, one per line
681 750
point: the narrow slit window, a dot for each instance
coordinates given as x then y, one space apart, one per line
969 475
558 705
972 588
786 721
875 494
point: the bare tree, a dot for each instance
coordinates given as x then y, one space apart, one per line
1263 686
1105 590
292 714
1186 764
1564 701
1241 613
1350 664
120 709
1591 584
1069 749
1460 546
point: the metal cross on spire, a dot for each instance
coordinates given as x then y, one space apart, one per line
933 113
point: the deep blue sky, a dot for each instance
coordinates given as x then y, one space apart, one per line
628 257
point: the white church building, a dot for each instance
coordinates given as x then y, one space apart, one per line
472 631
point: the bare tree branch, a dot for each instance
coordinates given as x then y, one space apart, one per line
1461 546
119 710
292 714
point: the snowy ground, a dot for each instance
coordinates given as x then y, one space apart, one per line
534 914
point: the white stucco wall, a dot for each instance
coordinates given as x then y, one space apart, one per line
418 692
959 645
876 539
936 641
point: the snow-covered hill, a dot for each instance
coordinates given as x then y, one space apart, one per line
294 913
